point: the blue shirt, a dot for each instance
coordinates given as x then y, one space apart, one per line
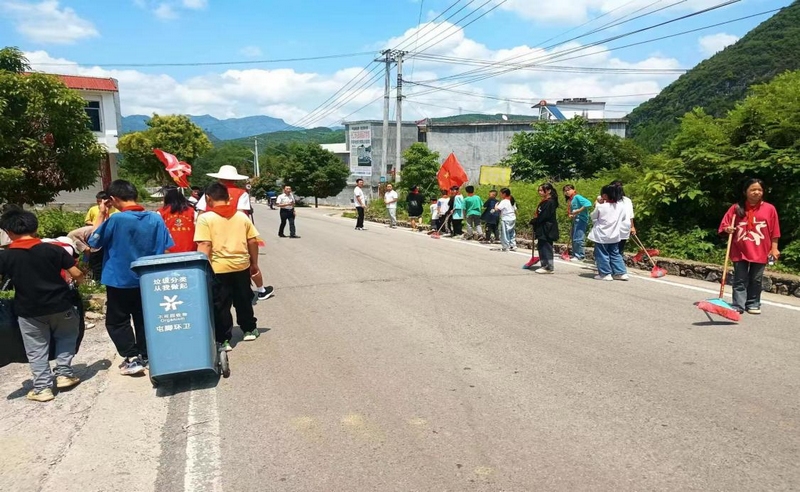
125 237
458 207
577 202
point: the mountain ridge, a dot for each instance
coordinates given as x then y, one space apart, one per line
227 129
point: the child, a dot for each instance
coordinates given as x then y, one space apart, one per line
545 228
125 237
43 302
178 215
444 207
229 239
472 209
490 217
457 205
611 222
507 209
434 215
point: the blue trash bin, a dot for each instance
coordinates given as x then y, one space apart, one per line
179 316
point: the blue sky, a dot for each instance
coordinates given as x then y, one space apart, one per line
83 36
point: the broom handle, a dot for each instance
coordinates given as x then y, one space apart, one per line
725 267
639 243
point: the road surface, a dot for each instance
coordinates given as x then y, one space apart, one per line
393 361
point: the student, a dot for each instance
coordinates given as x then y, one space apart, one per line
756 230
125 237
42 301
457 215
490 217
360 201
472 209
578 211
507 209
611 222
415 201
81 235
229 239
390 198
444 208
197 193
178 216
629 211
434 215
545 227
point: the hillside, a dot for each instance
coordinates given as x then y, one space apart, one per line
320 135
717 83
229 129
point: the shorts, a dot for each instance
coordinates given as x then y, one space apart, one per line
414 217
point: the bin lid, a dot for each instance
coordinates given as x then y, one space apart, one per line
169 259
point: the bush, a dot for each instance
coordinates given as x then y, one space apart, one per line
54 223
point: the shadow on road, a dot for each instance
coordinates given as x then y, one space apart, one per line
187 384
81 370
715 323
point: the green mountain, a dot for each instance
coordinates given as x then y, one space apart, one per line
717 83
320 135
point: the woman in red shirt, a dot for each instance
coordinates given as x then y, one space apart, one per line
754 225
178 215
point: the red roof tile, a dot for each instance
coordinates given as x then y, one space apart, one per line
89 83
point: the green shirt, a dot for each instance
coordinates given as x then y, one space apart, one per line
473 205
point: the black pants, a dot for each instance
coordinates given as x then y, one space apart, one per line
96 264
360 219
122 306
232 289
458 227
622 245
287 215
545 249
491 229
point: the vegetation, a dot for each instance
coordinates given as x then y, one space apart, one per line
312 171
420 168
719 82
46 146
55 223
321 135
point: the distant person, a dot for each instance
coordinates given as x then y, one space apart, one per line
227 177
414 201
629 209
491 217
456 205
611 222
434 207
444 211
80 237
42 301
178 216
272 198
125 237
360 202
195 196
473 206
286 203
578 211
390 198
545 228
507 208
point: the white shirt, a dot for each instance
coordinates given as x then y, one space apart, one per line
388 197
629 210
358 192
244 203
508 212
444 206
284 199
611 223
434 211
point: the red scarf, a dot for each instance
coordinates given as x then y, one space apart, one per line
24 243
750 214
133 208
226 210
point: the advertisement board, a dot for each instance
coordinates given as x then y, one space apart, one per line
361 150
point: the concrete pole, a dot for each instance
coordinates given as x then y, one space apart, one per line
399 147
386 96
255 160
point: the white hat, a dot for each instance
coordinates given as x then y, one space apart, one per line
67 243
227 172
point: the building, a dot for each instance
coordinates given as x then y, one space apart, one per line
103 108
340 150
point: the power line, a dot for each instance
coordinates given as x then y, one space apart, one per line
416 42
428 44
216 63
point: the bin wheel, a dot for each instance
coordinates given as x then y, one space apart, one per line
154 383
224 365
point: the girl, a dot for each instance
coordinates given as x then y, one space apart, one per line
754 224
611 223
507 209
545 228
178 215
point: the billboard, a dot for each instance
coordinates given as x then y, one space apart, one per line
495 175
361 150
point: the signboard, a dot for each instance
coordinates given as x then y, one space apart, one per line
495 175
174 315
361 150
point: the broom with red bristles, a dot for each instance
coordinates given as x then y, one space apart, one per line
718 306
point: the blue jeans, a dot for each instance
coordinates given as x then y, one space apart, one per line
609 260
579 239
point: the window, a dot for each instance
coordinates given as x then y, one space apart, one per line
93 110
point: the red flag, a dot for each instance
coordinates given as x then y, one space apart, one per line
178 170
451 173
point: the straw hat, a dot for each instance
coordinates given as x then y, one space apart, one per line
229 173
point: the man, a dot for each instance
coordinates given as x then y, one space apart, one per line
195 197
473 207
578 211
390 199
228 176
415 203
286 203
125 237
230 241
80 236
360 201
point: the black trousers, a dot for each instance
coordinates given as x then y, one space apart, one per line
122 305
287 216
491 229
96 265
546 253
458 227
360 219
232 289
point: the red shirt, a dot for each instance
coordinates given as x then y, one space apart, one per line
181 228
754 242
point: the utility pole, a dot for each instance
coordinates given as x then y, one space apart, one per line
399 147
387 54
255 159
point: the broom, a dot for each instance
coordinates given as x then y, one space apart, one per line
436 234
718 306
657 271
565 254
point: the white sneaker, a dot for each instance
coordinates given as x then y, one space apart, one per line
544 271
624 277
575 260
606 278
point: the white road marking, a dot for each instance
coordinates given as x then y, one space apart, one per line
203 458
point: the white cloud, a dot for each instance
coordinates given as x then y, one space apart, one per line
165 12
713 43
47 22
581 10
195 4
170 9
251 51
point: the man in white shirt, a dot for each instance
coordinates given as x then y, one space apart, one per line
286 203
360 201
390 199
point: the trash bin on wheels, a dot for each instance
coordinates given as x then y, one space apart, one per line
179 316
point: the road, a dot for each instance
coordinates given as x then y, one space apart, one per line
393 361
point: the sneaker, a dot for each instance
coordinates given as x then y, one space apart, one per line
294 237
754 310
225 346
545 271
576 260
40 395
64 382
268 292
606 278
512 249
249 336
131 366
623 277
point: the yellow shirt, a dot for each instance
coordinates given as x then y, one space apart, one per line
228 239
93 212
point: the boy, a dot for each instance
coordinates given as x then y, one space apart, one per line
456 204
434 214
229 239
472 209
443 207
81 235
125 237
42 301
578 211
490 217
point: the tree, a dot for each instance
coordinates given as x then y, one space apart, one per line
229 153
312 171
175 134
420 168
46 146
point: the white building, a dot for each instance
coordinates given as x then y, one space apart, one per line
566 109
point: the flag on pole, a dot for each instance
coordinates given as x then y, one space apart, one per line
451 173
177 169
